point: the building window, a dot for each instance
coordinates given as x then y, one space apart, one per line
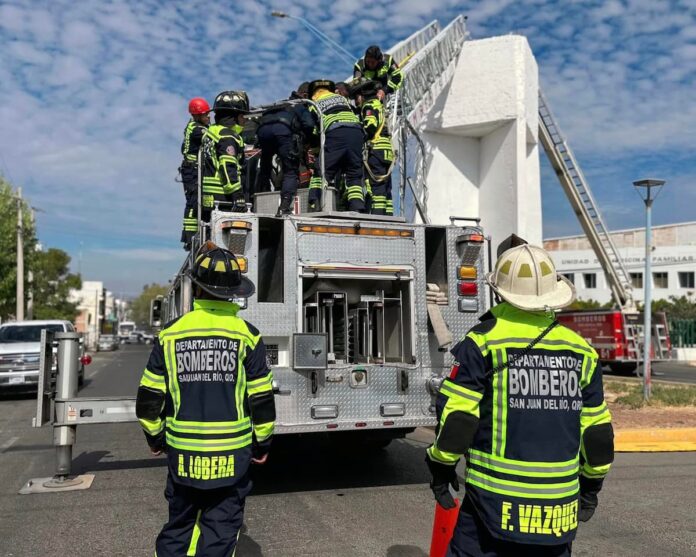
590 280
686 279
636 280
660 280
571 277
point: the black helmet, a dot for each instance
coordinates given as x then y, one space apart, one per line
320 84
301 92
373 52
217 272
232 101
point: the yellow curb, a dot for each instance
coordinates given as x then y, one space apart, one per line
655 440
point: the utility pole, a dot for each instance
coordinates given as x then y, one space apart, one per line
20 259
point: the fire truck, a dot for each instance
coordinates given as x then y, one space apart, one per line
616 335
357 312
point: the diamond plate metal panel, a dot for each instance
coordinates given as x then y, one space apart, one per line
281 320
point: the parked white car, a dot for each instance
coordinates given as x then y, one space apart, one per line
20 345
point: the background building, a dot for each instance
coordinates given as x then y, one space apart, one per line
97 311
674 261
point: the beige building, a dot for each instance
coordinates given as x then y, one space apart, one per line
673 261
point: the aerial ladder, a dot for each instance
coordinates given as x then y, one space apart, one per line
426 74
578 192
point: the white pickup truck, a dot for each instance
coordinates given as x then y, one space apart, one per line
19 351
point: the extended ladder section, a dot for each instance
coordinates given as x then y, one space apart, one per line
429 57
580 196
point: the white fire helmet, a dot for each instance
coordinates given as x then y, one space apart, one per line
526 277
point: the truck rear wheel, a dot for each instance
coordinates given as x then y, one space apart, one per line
623 368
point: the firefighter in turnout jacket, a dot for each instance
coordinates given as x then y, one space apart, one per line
524 404
206 399
382 68
282 131
193 135
378 154
343 146
223 153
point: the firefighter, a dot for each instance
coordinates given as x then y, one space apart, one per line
206 400
223 149
524 403
193 135
379 154
282 131
382 68
343 144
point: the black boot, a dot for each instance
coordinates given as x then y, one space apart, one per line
285 207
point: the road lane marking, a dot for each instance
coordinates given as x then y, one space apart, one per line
7 444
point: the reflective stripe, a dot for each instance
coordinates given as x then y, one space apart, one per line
152 381
153 427
153 377
194 538
208 445
458 390
499 404
594 471
225 332
212 428
442 456
263 431
260 385
584 380
532 469
543 342
521 489
170 363
591 412
240 387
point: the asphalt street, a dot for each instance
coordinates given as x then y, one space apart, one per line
673 372
312 498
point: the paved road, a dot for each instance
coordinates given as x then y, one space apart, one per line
668 371
311 500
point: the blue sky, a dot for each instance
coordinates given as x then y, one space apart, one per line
93 102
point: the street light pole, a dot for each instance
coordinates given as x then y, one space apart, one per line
19 312
648 199
333 45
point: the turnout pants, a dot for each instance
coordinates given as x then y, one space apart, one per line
278 139
472 539
379 161
189 176
203 522
342 155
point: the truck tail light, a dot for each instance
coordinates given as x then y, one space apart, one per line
467 272
467 288
86 359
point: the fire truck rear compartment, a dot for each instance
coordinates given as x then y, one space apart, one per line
367 321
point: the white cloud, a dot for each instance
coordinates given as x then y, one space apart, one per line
93 93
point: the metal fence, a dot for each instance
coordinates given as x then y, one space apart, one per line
682 332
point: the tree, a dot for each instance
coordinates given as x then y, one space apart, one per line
683 307
52 284
8 247
140 307
578 305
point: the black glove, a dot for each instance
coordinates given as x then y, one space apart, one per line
589 488
443 475
239 202
157 443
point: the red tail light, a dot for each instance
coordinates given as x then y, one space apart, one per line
467 288
86 360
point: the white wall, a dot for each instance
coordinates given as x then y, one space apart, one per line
483 158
